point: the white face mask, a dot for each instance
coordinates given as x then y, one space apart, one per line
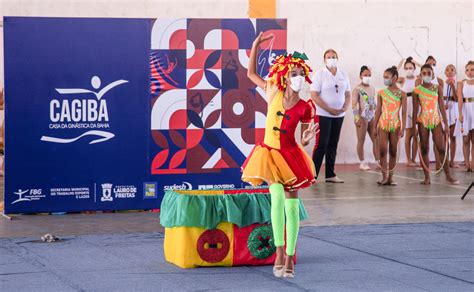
331 63
366 80
297 83
469 78
410 72
387 81
427 78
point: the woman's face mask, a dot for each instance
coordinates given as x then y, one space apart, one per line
331 62
366 80
297 83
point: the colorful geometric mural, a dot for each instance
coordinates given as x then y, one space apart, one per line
206 115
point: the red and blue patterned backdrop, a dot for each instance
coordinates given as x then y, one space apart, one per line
206 115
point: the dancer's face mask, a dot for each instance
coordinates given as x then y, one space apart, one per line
427 78
410 72
366 80
297 83
387 81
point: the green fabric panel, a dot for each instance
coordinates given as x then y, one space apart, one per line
208 211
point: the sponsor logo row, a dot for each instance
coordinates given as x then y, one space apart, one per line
108 192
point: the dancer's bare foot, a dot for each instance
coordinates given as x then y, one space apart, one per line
412 163
426 182
389 182
452 181
453 165
382 181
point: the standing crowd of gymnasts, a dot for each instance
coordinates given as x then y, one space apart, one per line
415 105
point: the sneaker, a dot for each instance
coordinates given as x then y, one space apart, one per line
334 179
364 166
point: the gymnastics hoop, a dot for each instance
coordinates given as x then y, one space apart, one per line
379 160
446 138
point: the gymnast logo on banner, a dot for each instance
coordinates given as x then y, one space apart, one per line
89 114
28 195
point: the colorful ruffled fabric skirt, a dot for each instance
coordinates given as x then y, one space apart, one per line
292 167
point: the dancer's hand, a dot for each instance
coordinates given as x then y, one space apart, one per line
260 38
312 130
402 132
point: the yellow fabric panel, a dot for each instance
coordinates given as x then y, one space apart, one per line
180 246
272 138
262 8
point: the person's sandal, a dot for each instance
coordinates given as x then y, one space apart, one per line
289 273
278 271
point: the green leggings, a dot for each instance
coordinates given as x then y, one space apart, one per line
280 207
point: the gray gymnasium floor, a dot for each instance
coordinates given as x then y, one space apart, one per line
360 237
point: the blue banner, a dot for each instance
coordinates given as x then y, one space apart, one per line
107 114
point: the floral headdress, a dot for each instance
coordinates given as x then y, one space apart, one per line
283 64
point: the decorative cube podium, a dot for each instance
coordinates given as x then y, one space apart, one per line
218 227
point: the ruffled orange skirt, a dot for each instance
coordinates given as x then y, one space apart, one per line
292 167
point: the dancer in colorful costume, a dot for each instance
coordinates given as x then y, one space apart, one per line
389 127
280 161
429 97
363 108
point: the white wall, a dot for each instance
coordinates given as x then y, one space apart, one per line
374 33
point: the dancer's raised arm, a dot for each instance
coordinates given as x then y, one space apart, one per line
252 70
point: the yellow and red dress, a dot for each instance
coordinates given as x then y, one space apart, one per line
279 158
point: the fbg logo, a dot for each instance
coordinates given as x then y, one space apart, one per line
28 195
